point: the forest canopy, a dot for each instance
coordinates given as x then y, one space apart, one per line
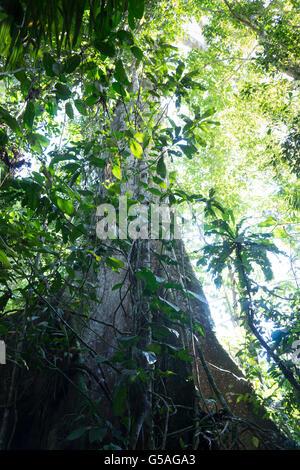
190 104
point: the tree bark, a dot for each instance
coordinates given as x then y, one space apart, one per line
186 395
191 407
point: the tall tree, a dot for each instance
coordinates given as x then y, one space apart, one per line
272 23
111 343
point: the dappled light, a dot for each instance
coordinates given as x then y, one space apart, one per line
149 216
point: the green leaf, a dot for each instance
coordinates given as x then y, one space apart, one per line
181 443
131 21
179 70
268 222
51 106
161 332
137 52
207 113
106 48
116 171
114 263
21 76
170 304
48 62
29 115
125 36
188 150
9 120
184 355
155 347
3 138
72 63
119 89
42 140
155 191
161 168
159 181
38 141
69 110
136 8
77 433
197 327
136 148
120 74
97 434
97 162
65 206
139 136
112 446
92 99
3 259
57 68
97 257
255 441
147 275
118 286
63 92
279 232
81 108
61 158
38 177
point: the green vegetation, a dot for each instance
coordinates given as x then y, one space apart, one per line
113 97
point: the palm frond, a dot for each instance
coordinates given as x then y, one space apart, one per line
58 23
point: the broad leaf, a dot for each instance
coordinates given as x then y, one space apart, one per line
161 168
69 110
136 8
106 48
188 150
3 259
136 148
77 433
120 74
137 52
63 92
146 275
65 206
9 120
72 63
80 107
97 434
114 263
29 115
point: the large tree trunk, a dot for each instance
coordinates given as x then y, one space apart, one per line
185 395
202 411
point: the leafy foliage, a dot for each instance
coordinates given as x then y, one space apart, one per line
68 70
